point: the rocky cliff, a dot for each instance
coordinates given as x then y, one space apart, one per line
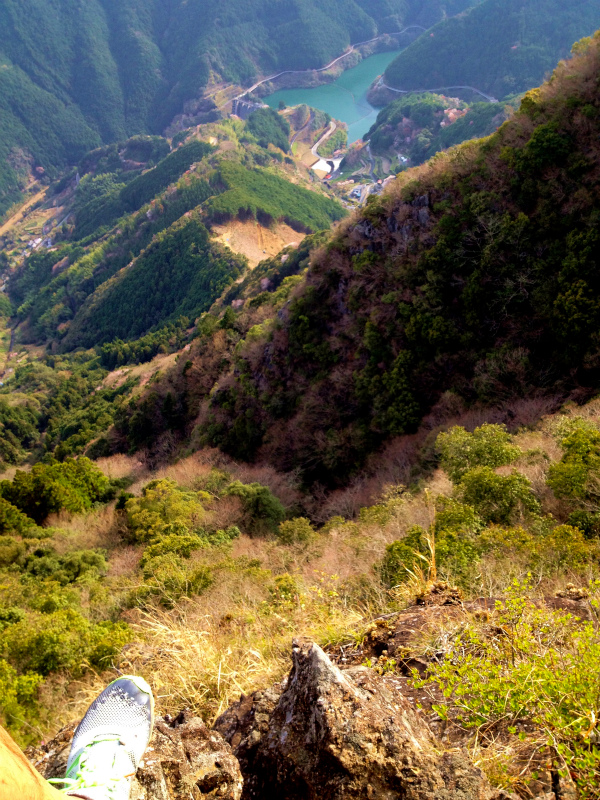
328 731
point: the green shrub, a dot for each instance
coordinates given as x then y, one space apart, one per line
297 530
454 516
223 537
456 528
65 569
11 551
403 556
487 446
497 498
162 506
18 703
264 512
18 431
72 486
168 578
576 476
550 552
10 616
544 671
285 590
180 543
64 639
587 522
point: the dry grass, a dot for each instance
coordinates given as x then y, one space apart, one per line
98 529
125 561
233 640
121 466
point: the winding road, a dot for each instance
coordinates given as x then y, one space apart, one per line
320 69
329 132
373 176
488 97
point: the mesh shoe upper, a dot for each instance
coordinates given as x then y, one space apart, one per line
110 741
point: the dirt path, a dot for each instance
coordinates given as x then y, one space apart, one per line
18 217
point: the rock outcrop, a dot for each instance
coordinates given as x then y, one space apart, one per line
350 735
324 733
184 761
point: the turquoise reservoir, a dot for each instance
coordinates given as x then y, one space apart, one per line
346 99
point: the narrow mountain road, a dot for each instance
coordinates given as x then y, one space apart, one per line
320 69
488 97
315 149
373 176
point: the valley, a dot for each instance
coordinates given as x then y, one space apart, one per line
344 99
299 394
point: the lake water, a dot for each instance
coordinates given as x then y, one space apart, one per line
346 99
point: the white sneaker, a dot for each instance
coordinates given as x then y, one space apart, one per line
110 741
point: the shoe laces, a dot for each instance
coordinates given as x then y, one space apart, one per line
95 768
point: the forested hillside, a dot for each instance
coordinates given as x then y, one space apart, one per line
421 125
228 424
75 75
500 46
137 254
476 276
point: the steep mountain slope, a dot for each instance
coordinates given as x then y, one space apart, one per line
421 125
74 75
476 275
137 253
500 46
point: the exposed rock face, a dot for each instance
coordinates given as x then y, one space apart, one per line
184 761
245 723
322 734
349 735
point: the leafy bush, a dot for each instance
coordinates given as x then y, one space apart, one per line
18 432
401 557
12 520
263 510
542 670
18 702
297 530
165 509
182 544
72 486
487 446
497 498
11 551
168 578
44 563
63 639
577 475
588 523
